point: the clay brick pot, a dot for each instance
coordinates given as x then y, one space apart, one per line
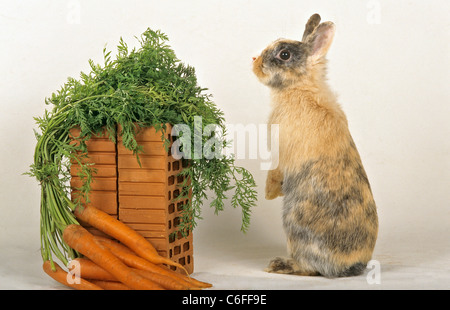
143 197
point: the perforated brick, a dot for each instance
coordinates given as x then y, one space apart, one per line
144 197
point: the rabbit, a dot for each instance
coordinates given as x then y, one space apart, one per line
329 213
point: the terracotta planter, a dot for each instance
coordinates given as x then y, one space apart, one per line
143 197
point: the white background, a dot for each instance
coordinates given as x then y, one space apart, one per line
389 64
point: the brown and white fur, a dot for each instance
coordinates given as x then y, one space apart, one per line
329 214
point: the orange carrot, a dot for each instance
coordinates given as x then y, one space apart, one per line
132 260
111 285
91 271
61 276
82 241
128 236
97 275
166 282
114 243
194 282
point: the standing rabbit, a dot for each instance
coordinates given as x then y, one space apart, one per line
329 214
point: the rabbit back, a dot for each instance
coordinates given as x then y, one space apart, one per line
330 216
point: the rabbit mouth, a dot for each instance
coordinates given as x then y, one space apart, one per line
258 67
267 76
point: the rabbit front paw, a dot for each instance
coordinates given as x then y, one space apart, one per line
273 190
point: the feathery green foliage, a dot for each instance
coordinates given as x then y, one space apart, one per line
147 86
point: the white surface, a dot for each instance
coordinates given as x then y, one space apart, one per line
389 64
238 266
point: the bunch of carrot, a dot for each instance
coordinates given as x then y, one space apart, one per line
131 263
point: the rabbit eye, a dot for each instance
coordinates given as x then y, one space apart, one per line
284 55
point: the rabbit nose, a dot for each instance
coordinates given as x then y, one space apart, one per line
254 58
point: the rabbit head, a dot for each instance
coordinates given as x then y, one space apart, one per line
287 62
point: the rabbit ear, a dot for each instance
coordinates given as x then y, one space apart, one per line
320 40
312 23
